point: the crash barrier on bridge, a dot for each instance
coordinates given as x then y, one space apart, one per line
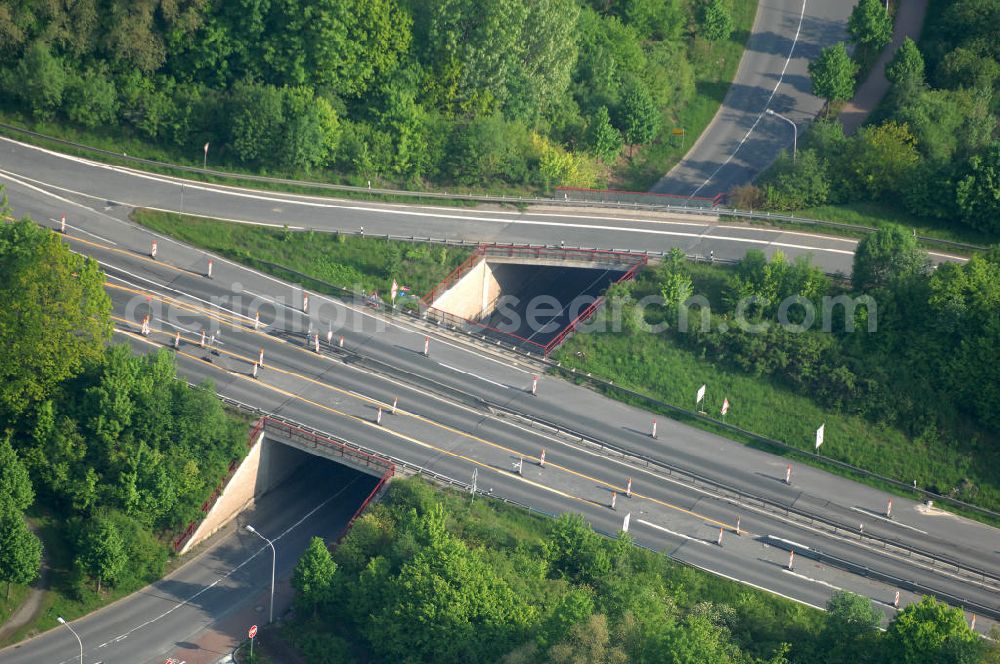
736 495
338 447
888 545
503 199
384 467
619 197
631 261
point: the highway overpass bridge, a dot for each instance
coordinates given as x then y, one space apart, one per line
278 449
531 297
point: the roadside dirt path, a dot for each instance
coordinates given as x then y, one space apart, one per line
909 23
27 611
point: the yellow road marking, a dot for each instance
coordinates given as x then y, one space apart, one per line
439 425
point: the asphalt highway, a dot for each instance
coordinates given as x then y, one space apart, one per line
48 185
327 393
773 74
336 391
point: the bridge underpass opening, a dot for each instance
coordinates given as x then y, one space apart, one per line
529 297
282 454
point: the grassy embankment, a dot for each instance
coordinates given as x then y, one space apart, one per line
341 260
714 65
650 364
655 365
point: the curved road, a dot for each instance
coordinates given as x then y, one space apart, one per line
773 73
73 186
333 395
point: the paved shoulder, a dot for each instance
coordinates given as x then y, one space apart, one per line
773 73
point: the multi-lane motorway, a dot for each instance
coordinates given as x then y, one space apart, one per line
446 426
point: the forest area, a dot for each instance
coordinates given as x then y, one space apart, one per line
507 93
930 149
103 450
906 380
429 576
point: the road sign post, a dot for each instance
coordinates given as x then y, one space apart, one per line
252 632
679 131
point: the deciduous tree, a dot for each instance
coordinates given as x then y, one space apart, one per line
313 575
907 66
716 21
20 549
832 74
887 255
16 491
978 190
640 116
605 140
870 24
850 633
100 552
924 631
57 319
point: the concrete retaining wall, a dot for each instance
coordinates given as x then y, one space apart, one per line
267 465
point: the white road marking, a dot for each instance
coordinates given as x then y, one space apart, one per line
468 373
777 84
410 211
808 578
671 532
177 293
441 215
876 515
229 573
93 235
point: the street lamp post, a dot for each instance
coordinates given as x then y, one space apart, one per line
63 622
795 132
274 557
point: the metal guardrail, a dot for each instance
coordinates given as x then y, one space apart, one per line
566 201
444 480
718 488
658 404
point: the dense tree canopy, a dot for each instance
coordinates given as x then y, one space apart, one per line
112 444
368 88
427 576
54 321
931 147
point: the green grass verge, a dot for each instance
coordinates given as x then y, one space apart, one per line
877 214
715 65
62 598
10 604
655 366
345 261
